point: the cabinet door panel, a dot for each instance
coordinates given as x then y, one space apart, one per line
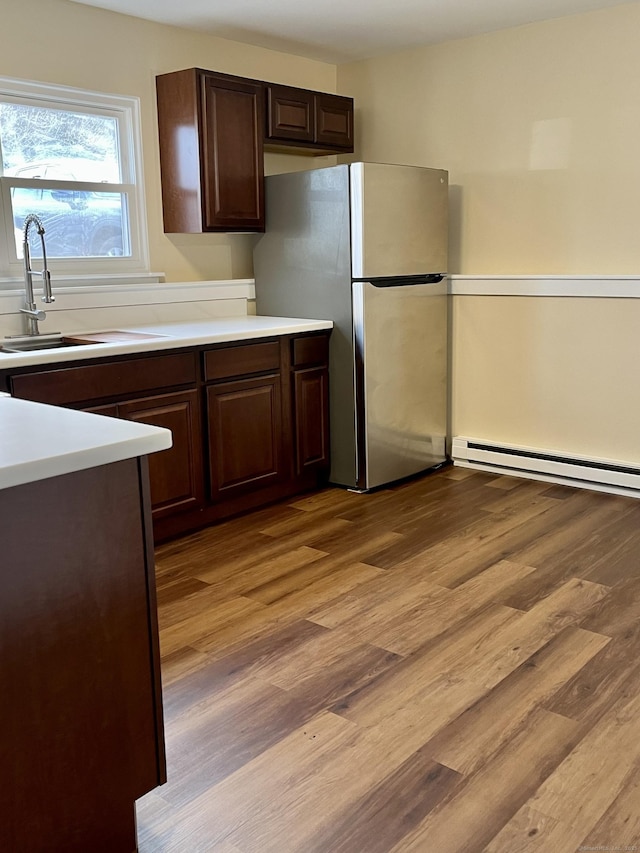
245 428
334 120
289 113
176 475
110 411
311 414
233 167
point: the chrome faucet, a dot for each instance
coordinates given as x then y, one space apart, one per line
32 313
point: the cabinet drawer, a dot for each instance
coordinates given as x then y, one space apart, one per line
67 385
313 350
237 361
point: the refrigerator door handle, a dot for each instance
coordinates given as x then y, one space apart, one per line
405 281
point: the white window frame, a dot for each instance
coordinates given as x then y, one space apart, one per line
126 111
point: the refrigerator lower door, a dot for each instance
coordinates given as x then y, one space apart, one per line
400 340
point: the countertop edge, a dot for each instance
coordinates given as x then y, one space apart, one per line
224 330
72 442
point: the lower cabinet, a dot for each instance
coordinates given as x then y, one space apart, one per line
245 434
176 474
250 420
311 418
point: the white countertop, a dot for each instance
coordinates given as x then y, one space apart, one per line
171 336
38 441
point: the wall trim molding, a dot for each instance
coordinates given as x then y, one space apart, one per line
112 295
585 286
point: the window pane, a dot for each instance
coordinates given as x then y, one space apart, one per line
59 145
76 223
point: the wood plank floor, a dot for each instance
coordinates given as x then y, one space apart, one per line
452 665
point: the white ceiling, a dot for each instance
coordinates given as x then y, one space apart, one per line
342 30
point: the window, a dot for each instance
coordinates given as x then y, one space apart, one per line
73 158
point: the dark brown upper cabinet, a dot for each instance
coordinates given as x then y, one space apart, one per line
318 120
211 159
213 131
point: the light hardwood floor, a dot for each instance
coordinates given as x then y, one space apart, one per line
451 665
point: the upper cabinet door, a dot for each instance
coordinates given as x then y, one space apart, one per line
232 163
290 113
334 121
315 121
211 152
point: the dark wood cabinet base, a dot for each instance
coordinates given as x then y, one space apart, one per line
249 419
81 713
188 522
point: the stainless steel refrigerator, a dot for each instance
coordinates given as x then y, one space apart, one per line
365 245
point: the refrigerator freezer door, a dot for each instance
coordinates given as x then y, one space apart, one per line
398 220
400 336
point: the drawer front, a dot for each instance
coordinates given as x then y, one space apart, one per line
313 350
242 360
68 385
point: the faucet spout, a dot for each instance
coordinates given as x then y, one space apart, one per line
31 312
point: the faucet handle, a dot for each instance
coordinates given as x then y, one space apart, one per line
36 314
46 286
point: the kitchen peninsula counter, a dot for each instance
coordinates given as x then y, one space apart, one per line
81 711
39 441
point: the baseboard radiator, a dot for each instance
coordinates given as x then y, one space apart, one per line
603 475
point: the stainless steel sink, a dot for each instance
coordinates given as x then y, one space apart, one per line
37 343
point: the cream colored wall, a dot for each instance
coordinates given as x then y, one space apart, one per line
558 374
539 128
73 45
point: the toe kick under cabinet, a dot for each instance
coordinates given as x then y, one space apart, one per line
249 420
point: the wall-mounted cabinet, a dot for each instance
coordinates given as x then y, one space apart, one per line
211 158
318 119
213 129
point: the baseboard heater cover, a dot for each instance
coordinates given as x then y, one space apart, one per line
605 475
